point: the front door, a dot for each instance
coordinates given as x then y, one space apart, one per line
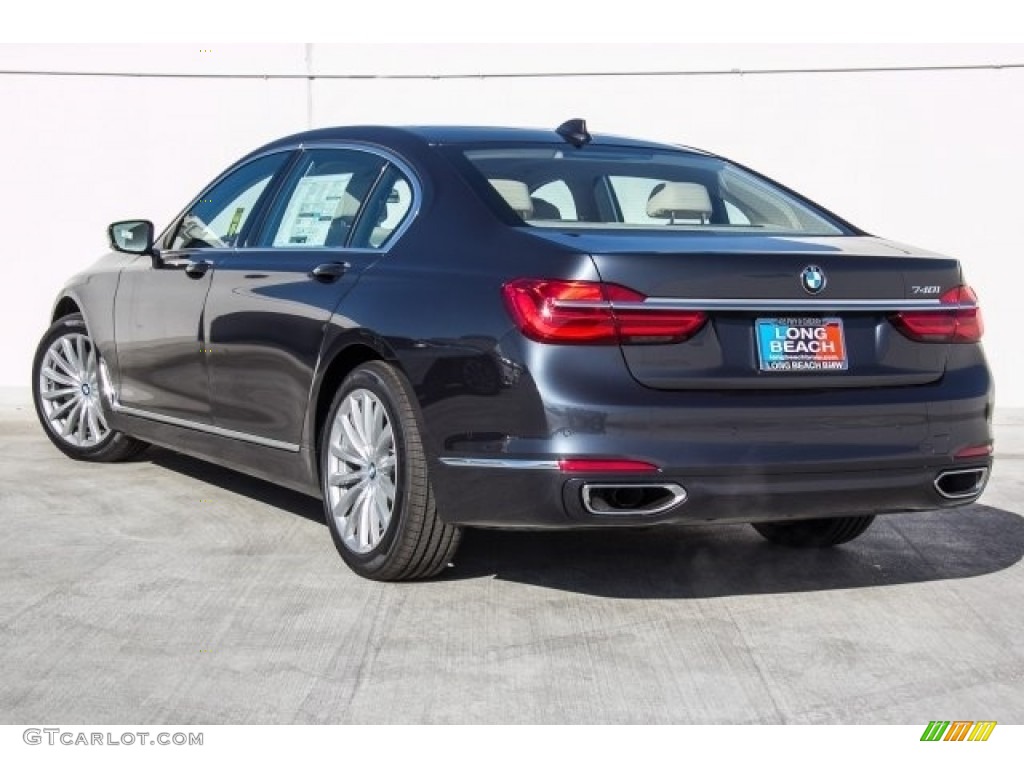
162 350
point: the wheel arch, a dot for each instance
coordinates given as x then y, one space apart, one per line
69 304
343 356
110 446
64 306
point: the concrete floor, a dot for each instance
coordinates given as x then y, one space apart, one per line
171 591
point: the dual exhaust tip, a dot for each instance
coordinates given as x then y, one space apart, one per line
655 498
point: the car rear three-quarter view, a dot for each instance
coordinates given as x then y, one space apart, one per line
440 328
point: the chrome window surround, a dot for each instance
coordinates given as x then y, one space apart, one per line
373 149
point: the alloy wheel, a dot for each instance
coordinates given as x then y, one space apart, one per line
69 391
362 471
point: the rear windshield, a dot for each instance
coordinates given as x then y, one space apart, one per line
622 187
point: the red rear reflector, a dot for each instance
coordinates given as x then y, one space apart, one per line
582 312
610 466
960 324
974 451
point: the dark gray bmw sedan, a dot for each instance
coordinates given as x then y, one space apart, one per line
435 328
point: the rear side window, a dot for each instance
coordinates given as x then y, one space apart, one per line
626 187
386 210
322 200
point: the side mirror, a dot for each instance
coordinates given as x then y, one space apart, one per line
132 236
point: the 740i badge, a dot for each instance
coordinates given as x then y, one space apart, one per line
794 344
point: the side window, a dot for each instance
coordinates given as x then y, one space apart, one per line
322 200
554 202
217 218
385 211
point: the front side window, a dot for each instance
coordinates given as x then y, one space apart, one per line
323 200
216 220
627 187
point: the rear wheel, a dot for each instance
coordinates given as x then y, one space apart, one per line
68 383
828 532
377 496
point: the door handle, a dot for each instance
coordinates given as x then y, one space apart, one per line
329 272
196 269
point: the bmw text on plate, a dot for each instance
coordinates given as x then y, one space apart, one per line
435 328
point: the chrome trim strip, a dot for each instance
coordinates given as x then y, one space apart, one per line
209 428
813 305
773 305
458 461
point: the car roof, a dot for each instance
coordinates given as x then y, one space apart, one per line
462 134
457 134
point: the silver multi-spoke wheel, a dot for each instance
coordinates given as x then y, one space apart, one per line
378 501
362 470
69 391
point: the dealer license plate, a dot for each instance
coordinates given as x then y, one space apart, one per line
801 344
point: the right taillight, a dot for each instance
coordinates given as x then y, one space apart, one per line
961 323
588 312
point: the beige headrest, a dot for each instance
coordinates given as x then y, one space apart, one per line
516 194
681 199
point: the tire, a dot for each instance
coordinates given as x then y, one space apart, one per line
827 532
378 501
67 388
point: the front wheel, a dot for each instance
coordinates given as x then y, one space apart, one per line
377 496
828 532
67 384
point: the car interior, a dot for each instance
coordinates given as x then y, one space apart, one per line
543 189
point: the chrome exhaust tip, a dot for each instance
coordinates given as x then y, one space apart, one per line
961 483
632 499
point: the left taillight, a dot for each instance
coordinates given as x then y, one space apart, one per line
961 323
588 312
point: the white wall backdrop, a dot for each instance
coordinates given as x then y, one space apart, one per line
920 143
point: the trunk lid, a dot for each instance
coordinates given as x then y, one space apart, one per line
764 324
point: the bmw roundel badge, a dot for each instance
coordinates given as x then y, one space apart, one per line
813 279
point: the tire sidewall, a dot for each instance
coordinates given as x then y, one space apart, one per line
365 377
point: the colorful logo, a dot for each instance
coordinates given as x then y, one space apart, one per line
813 279
958 730
801 344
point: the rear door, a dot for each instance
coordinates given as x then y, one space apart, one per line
337 214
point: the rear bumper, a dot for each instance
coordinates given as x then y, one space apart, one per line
527 496
751 455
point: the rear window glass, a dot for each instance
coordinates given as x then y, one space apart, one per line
622 187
